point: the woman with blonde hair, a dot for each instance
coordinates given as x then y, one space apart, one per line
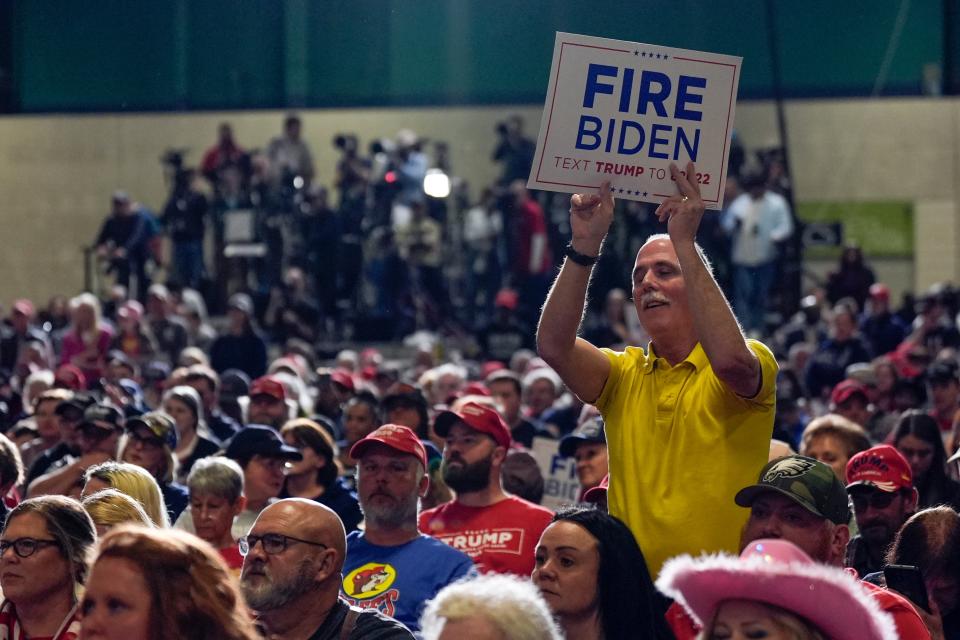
87 339
132 480
109 508
149 442
161 585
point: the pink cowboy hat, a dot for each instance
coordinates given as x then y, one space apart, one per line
778 573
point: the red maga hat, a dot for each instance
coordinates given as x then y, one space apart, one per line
396 437
479 418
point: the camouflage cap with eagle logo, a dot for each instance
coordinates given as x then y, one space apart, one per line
810 483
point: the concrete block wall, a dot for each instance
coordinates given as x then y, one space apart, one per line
57 171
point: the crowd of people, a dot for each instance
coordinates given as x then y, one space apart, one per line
167 476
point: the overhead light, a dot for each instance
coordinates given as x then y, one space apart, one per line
436 184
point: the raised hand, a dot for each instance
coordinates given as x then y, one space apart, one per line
590 219
682 212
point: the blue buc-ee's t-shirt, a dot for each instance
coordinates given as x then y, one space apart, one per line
398 581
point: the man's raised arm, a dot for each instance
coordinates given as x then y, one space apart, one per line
713 320
583 367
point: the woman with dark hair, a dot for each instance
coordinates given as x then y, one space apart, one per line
193 441
917 437
157 585
595 580
316 476
930 541
44 558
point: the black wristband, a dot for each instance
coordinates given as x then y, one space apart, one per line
580 258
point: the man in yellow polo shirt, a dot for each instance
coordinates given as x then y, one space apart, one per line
689 419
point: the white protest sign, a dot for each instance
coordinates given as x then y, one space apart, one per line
560 484
623 111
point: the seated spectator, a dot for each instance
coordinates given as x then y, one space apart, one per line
150 442
832 439
827 366
587 565
883 330
598 495
207 383
774 590
521 476
133 481
69 414
852 279
316 476
851 399
44 551
11 476
541 388
262 456
100 431
361 417
19 331
406 406
268 403
944 393
134 338
587 445
391 476
182 403
917 436
47 424
292 576
216 499
880 486
930 541
146 583
491 607
87 339
109 508
241 347
506 389
169 330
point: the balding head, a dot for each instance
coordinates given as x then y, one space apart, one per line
307 545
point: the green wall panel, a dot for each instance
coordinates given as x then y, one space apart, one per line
210 54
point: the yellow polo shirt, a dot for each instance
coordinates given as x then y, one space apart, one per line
680 445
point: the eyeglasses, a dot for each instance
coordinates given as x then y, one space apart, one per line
273 543
25 547
876 499
144 440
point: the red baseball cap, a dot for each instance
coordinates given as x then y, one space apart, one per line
24 307
479 418
595 494
268 386
343 378
846 389
881 467
396 437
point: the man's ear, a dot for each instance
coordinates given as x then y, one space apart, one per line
912 500
841 536
327 565
424 485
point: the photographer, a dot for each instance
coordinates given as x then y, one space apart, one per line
184 218
514 150
125 241
352 179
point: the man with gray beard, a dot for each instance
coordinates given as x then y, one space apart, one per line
498 530
390 565
293 581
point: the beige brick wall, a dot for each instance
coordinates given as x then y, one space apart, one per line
56 172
